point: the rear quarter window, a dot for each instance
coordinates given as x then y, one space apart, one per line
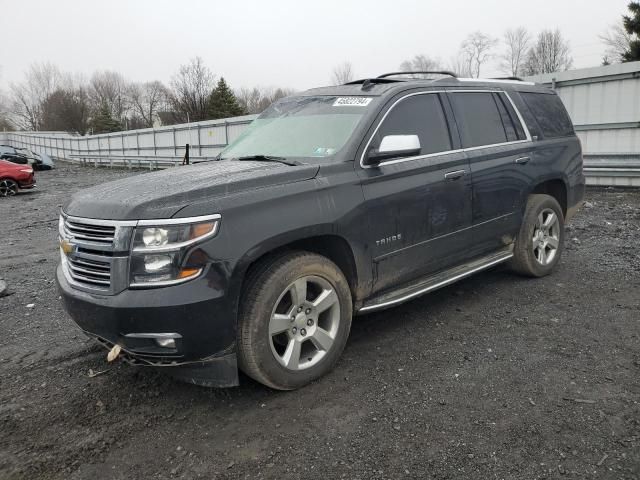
550 114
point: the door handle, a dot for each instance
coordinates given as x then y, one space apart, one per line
454 175
522 160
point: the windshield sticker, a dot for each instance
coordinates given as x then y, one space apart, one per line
323 151
352 101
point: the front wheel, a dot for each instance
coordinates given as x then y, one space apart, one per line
8 187
294 321
541 238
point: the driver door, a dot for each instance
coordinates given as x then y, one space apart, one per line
418 207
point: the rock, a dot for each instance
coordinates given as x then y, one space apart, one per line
31 305
3 288
588 205
576 240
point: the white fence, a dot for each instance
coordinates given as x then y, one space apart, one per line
145 147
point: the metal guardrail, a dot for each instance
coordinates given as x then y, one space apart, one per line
134 161
615 169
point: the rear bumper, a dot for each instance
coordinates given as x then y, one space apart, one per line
196 315
576 196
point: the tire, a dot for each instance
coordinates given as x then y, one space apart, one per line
8 187
280 345
540 240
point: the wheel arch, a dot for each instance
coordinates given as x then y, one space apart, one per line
556 188
330 245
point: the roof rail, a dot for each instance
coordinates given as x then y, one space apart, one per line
368 83
518 79
437 72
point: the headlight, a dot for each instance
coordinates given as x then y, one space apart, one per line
26 170
163 253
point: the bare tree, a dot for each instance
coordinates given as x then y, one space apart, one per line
420 63
249 99
147 100
459 65
190 90
617 41
477 50
517 43
109 88
256 100
41 80
550 53
66 109
5 114
342 73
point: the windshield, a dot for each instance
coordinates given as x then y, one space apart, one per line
301 127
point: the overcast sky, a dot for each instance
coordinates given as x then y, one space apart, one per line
277 42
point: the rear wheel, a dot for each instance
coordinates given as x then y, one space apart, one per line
8 187
295 319
541 238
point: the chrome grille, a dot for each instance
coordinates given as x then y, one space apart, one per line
95 253
90 272
102 234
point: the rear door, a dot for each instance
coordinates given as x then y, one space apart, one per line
498 147
418 208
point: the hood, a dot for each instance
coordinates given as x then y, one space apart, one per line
162 194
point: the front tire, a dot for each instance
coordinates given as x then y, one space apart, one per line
295 319
540 241
8 187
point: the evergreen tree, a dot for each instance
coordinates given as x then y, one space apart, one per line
223 103
632 26
103 122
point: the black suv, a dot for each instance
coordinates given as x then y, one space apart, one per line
338 201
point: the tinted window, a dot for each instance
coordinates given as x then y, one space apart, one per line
420 115
520 135
479 119
507 121
550 114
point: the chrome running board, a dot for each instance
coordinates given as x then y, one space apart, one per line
433 282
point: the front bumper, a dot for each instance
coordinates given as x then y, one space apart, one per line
197 312
25 184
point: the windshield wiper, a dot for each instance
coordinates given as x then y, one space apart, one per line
268 158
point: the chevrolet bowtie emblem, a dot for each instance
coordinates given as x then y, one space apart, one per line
67 247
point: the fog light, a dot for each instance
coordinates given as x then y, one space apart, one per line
166 342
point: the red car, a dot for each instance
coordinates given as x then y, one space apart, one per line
13 177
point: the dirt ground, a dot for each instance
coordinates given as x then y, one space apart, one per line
495 377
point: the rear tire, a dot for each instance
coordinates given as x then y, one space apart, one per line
294 321
540 240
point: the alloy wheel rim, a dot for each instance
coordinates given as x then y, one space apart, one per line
8 188
304 323
546 237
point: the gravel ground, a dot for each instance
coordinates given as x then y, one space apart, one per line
495 377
